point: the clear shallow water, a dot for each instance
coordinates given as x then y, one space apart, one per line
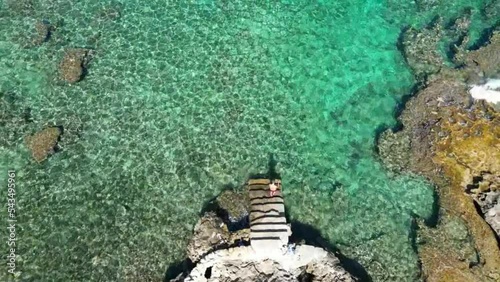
183 99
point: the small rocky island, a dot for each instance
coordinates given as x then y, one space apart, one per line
244 236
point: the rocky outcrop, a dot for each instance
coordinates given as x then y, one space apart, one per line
455 142
485 189
326 270
224 224
219 257
210 233
464 144
413 147
266 270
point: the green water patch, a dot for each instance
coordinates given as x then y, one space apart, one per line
183 99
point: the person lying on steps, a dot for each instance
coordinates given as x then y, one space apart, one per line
274 186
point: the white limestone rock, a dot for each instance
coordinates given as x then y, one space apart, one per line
492 210
243 264
328 270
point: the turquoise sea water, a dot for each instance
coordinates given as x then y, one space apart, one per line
185 97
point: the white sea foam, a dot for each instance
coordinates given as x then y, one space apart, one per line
490 91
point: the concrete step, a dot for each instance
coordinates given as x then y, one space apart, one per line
268 227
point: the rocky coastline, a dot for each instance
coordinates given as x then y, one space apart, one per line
453 140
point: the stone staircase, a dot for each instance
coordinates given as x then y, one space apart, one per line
269 231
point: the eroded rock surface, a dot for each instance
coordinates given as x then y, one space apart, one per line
303 263
485 189
209 233
254 271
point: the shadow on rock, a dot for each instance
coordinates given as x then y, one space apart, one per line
178 270
311 236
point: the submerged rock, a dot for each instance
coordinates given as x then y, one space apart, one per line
20 7
420 48
73 65
110 13
43 31
492 10
235 203
43 143
425 5
454 256
394 150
